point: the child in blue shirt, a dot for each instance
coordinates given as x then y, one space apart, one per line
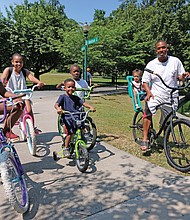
71 103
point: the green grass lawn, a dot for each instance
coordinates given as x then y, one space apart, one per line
52 79
113 119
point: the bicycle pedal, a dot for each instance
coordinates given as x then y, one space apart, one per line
133 126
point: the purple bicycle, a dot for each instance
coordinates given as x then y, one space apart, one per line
11 169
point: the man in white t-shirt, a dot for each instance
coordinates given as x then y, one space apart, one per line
170 69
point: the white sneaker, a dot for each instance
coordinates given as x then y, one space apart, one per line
66 152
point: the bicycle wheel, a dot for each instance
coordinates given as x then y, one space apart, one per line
14 183
138 127
82 158
177 146
90 133
21 128
30 136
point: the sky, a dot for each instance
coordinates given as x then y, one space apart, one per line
79 10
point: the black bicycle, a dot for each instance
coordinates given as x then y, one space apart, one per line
176 130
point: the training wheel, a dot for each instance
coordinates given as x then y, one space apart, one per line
55 157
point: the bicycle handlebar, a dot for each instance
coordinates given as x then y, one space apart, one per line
20 91
173 88
89 90
84 114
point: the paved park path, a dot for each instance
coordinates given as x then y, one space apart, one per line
116 186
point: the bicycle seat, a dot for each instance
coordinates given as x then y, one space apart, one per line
131 94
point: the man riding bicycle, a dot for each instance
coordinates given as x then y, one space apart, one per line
171 69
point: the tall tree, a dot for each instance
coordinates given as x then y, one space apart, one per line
36 32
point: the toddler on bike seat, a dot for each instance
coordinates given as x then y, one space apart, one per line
137 85
71 103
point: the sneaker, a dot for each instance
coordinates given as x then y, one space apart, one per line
66 152
13 137
37 131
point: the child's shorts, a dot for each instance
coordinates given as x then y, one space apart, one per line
70 124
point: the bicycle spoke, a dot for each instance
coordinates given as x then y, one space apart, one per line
177 145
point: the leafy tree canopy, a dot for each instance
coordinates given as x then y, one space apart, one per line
42 32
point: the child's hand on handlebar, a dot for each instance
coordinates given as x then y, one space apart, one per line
59 111
40 84
92 109
185 75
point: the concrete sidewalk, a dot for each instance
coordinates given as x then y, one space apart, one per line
117 185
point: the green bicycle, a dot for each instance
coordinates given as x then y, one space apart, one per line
78 146
89 131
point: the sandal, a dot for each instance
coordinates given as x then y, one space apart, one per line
144 145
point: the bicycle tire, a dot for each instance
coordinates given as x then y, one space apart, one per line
23 135
137 127
30 136
82 158
90 133
14 183
178 154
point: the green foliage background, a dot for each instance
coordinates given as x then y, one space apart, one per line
42 32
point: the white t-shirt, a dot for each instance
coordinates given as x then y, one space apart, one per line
136 86
16 81
81 84
169 71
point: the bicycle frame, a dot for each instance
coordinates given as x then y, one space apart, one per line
78 134
23 118
25 114
78 139
87 90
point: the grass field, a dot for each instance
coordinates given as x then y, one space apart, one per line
51 79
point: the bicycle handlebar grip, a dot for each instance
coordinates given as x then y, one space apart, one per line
22 90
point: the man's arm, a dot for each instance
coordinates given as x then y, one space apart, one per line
183 76
33 78
149 94
59 85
